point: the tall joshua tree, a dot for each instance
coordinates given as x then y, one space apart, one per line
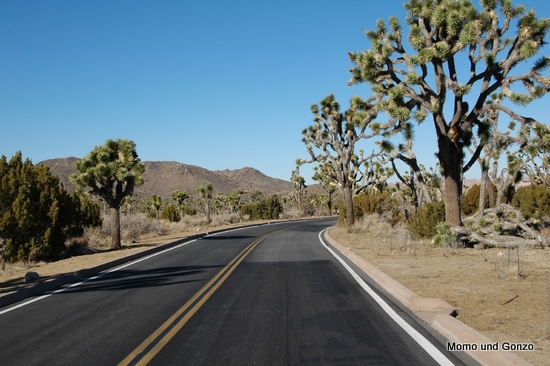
336 134
205 192
458 57
298 187
325 175
111 171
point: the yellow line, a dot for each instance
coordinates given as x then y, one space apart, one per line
223 274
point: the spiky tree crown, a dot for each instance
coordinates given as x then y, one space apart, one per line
111 171
438 31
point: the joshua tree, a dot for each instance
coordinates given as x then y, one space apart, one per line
457 56
111 172
205 192
298 187
156 203
335 134
180 198
324 174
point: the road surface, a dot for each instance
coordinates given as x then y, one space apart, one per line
265 295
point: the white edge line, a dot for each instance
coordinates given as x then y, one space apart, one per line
66 287
230 230
419 338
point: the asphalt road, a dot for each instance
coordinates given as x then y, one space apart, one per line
265 295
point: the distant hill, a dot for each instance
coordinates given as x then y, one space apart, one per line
62 168
164 177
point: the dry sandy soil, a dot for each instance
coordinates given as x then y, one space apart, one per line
485 284
480 282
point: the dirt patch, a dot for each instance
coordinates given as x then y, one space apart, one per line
495 299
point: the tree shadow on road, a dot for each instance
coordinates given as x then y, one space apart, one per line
127 279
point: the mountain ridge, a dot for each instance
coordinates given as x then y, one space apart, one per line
164 177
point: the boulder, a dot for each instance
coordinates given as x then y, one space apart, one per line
31 277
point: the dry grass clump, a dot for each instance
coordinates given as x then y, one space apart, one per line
374 225
137 227
291 213
226 219
379 227
375 234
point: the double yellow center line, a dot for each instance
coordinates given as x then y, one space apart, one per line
145 352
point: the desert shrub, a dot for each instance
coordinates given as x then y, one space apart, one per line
170 213
189 211
87 214
423 223
342 215
78 246
226 219
267 209
132 227
470 200
375 225
288 213
308 208
443 235
533 201
378 203
37 214
95 239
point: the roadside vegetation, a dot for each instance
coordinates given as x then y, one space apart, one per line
463 70
448 64
468 72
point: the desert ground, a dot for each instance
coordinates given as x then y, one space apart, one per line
503 294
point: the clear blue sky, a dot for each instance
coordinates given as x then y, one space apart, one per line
218 84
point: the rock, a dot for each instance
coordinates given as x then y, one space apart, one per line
31 277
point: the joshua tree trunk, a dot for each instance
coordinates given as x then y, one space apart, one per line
115 231
348 200
207 209
451 161
329 203
483 185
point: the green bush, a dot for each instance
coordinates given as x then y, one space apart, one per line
342 214
88 214
380 203
443 235
268 209
470 200
423 223
170 213
533 201
36 214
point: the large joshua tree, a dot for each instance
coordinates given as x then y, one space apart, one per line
458 57
336 134
111 172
